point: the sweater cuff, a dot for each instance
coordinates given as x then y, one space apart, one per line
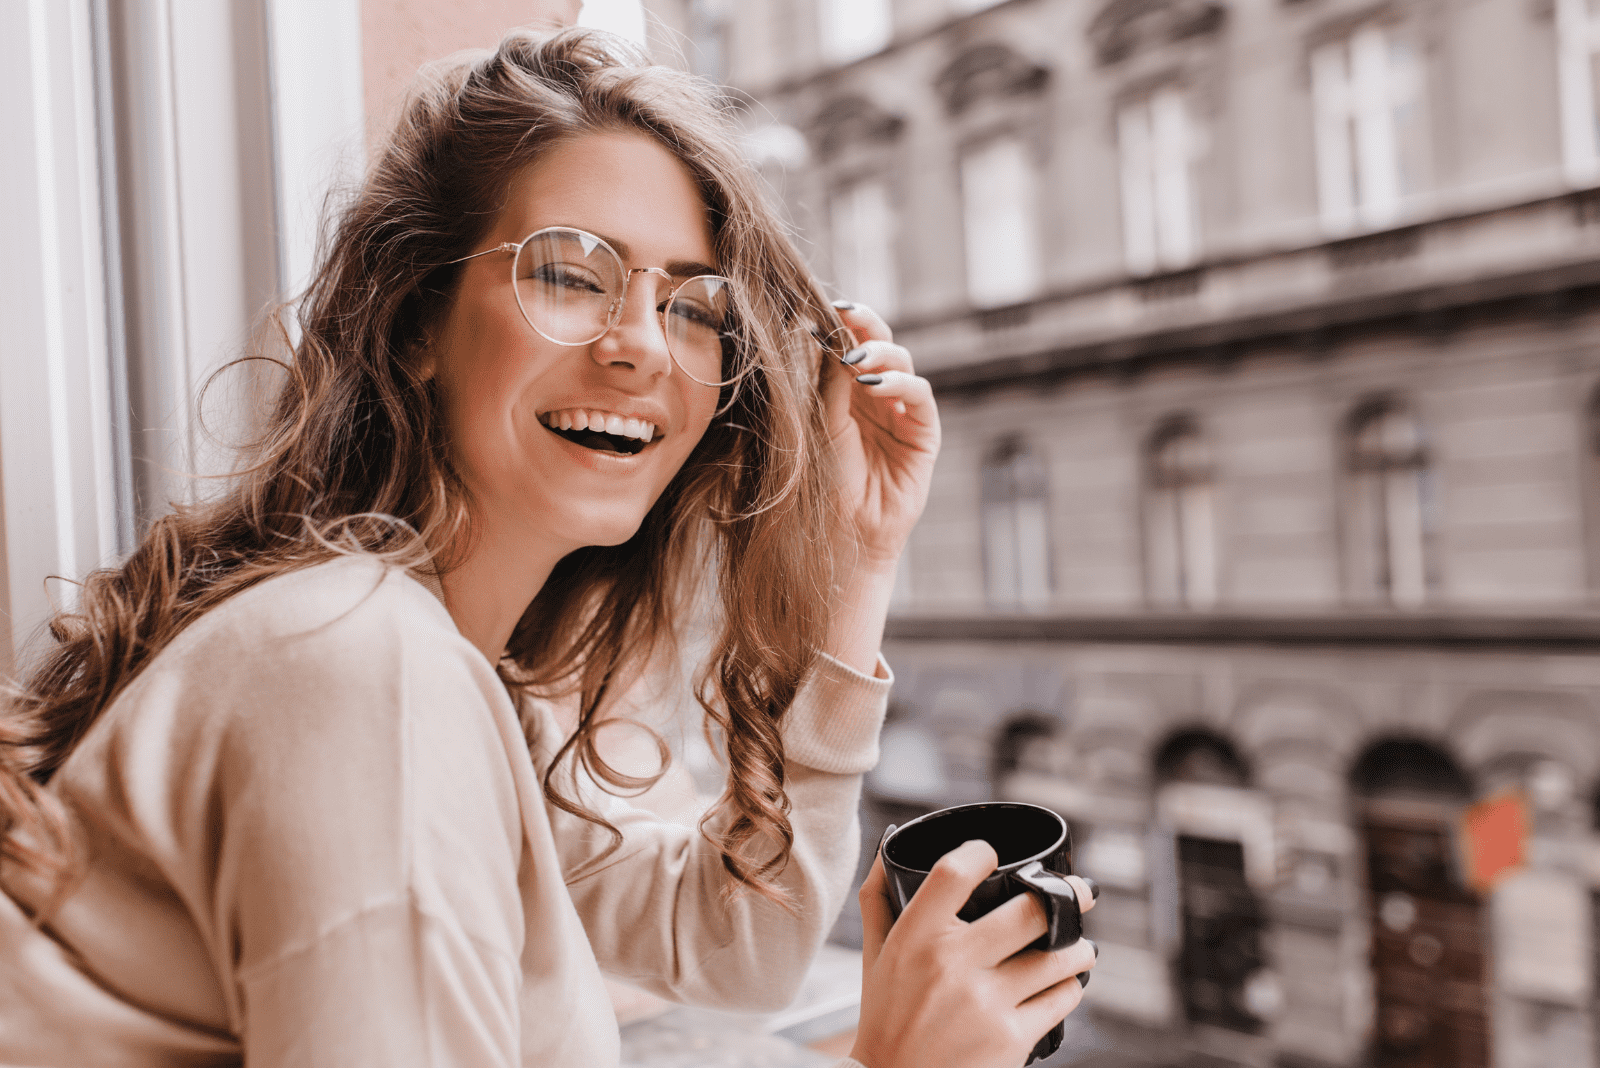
834 722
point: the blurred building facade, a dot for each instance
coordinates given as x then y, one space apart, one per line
1265 542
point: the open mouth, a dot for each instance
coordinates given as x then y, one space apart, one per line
600 431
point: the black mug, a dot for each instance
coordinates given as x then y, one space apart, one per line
1035 850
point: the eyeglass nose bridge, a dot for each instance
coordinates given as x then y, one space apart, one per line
614 314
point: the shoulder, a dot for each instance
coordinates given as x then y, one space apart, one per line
342 647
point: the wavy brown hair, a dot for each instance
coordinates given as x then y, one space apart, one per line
354 457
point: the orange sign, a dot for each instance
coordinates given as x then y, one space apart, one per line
1494 833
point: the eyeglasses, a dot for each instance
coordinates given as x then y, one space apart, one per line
572 288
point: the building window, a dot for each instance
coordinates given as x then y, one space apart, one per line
1578 37
1180 533
1157 149
1016 529
854 28
1366 90
863 246
1388 504
998 211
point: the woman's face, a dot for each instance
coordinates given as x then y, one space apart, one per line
504 385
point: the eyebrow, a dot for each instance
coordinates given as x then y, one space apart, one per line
676 268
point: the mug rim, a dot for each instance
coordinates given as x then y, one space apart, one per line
1002 869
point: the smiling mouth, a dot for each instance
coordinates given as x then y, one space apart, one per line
627 437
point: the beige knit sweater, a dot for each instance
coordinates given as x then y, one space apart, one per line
317 837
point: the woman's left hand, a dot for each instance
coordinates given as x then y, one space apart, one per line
885 431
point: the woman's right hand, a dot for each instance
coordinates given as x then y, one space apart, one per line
938 992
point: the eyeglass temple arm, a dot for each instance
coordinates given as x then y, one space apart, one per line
504 246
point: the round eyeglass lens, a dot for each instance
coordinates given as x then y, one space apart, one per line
569 285
697 322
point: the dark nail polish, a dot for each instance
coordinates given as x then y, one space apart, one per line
855 355
870 380
1094 946
1094 887
1083 979
844 305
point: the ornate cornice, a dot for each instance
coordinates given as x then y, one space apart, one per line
851 120
988 71
1125 27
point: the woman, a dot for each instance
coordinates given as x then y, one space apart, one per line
290 787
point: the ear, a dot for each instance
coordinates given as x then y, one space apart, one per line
421 354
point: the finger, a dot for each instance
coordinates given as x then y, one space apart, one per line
1009 929
1088 891
864 323
876 918
1049 1007
949 884
912 393
879 356
1034 971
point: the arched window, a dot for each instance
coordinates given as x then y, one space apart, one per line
1180 532
1016 528
864 245
998 214
1387 499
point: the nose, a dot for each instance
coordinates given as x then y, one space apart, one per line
638 341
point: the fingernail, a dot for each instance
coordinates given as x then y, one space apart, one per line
855 355
844 305
1083 979
1094 887
1094 946
870 380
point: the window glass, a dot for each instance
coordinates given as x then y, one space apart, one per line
1388 505
863 246
854 28
1180 534
998 207
1578 44
1157 149
1367 94
1016 527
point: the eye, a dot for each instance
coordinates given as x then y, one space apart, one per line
567 276
696 312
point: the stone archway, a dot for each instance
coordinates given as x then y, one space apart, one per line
1428 941
1218 824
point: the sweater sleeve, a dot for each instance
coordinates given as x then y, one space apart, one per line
369 839
661 911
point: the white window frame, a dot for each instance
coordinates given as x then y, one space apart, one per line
851 29
186 220
1157 148
1015 513
999 198
1387 503
1359 91
1578 43
864 237
57 455
1180 521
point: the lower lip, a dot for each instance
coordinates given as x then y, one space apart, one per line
598 460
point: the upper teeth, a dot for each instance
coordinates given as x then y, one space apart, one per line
579 419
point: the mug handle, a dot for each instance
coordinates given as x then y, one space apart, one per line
1060 903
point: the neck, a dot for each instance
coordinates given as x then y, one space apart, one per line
489 591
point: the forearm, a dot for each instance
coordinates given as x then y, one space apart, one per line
657 910
857 613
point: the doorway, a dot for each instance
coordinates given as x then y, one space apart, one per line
1428 954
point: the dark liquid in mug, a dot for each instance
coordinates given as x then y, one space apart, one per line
1022 833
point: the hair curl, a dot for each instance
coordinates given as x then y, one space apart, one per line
354 457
